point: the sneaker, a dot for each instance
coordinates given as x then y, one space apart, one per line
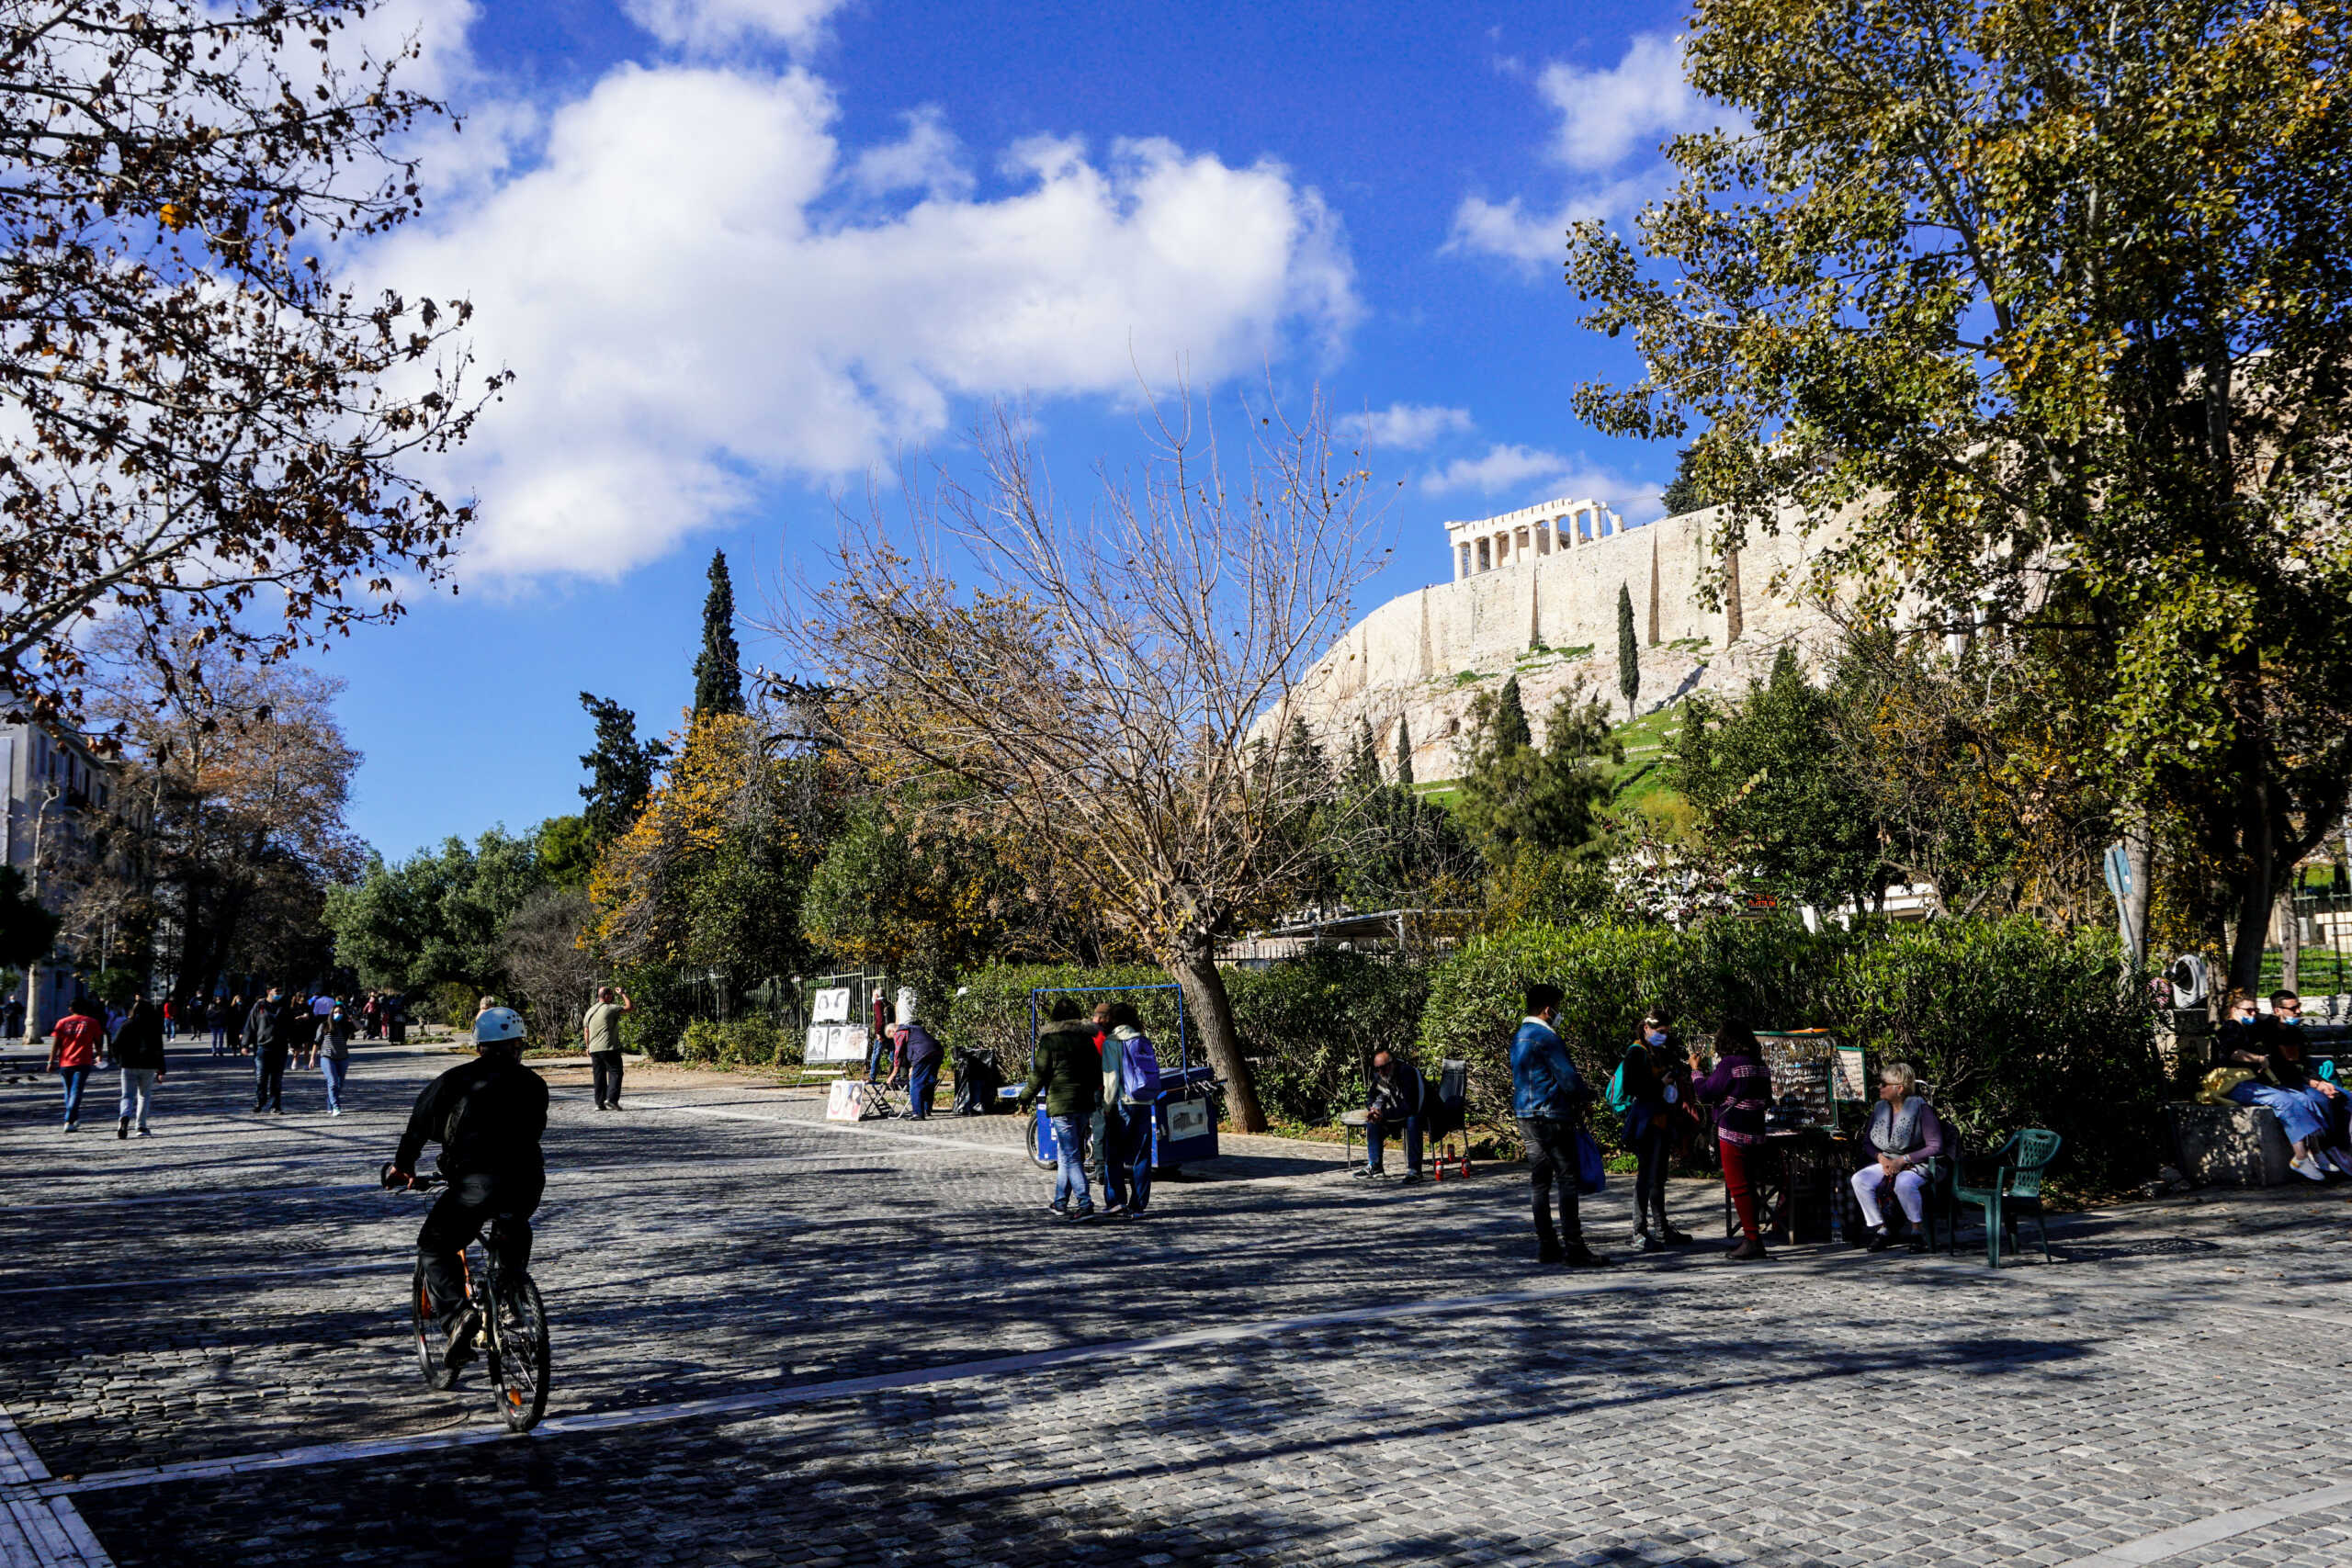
2307 1167
1880 1240
1409 1178
334 1109
1056 1208
122 1128
1086 1213
1648 1243
145 1134
1364 1173
1678 1239
464 1329
1585 1257
277 1111
72 1126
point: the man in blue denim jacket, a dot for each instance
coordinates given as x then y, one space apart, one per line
1548 1098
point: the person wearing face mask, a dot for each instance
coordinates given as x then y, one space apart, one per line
1656 1088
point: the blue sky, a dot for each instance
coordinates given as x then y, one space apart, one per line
742 253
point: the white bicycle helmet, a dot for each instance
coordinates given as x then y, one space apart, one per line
498 1024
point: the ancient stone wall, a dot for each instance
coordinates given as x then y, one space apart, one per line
1551 620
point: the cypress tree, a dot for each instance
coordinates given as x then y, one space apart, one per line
1403 753
1511 731
718 668
1364 762
1629 650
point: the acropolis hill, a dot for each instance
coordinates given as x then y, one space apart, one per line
1534 592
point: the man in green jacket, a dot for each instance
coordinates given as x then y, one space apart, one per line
1068 1072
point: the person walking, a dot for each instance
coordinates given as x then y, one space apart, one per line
330 1052
73 1047
916 1056
217 1014
269 1036
1134 1062
1069 1075
1548 1098
139 1053
600 1031
1740 1088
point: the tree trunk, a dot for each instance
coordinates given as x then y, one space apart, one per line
1202 985
2140 855
2255 840
2290 941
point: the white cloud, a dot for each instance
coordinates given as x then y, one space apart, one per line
708 26
690 321
1533 474
1406 426
1612 123
927 158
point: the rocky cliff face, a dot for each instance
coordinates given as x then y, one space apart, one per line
1551 620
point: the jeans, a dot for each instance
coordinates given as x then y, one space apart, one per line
1649 1180
335 1070
923 1082
1069 1170
137 1090
2297 1117
1126 1171
220 1039
1376 1133
73 1077
505 1203
605 1072
1742 1190
269 1077
1552 1163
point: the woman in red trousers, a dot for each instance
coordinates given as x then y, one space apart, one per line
1740 1089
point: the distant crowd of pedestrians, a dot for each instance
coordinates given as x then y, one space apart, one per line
279 1029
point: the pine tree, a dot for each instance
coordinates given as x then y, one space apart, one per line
718 668
1403 753
620 769
1511 731
1629 650
1364 762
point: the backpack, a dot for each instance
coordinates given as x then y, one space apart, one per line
1144 1058
1620 1101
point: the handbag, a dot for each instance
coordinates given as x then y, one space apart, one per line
1592 1169
2215 1090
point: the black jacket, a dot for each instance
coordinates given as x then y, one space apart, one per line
1396 1096
140 1042
487 1115
269 1028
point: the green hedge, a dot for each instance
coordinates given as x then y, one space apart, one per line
2013 1024
753 1041
1307 1026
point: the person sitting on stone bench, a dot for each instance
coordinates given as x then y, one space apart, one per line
2307 1106
1907 1141
1392 1109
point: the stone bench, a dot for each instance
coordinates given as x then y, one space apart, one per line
2228 1145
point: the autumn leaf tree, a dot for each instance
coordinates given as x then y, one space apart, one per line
2040 318
205 428
1114 688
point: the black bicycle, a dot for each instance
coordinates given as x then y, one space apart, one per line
514 1331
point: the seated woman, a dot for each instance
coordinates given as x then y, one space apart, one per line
1909 1142
2310 1110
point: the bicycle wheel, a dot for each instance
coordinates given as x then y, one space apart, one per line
518 1355
1040 1164
429 1340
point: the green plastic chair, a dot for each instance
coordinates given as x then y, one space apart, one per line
2016 1191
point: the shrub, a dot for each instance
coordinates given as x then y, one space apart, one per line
1307 1025
453 1004
2012 1024
753 1041
1310 1026
661 1011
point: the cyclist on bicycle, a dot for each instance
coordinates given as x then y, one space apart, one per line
487 1115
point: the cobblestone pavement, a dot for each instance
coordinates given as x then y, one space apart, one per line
784 1341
